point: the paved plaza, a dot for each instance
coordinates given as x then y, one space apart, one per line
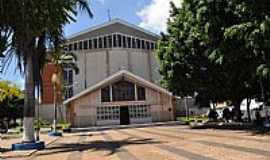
158 143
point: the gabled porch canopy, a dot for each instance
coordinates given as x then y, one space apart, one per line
121 75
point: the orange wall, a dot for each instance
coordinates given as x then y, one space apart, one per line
47 96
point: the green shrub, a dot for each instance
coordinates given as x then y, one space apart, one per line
62 125
42 123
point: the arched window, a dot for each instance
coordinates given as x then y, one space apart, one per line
123 91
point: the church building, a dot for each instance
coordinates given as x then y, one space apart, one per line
118 80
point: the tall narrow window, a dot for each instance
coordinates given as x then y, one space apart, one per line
152 46
90 44
143 44
133 43
100 42
70 77
75 46
68 82
110 41
124 42
105 42
65 77
138 43
147 45
85 44
105 94
141 93
115 40
129 42
70 47
119 39
80 45
95 41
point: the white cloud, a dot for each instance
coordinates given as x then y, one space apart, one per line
154 16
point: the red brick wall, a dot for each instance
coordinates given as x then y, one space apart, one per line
47 96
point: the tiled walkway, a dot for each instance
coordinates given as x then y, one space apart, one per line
158 143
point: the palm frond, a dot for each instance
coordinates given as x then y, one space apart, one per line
84 6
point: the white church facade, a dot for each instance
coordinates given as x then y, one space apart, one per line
118 80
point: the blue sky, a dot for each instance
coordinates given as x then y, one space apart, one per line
149 14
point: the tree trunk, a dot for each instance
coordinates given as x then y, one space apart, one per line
248 109
187 109
29 103
237 110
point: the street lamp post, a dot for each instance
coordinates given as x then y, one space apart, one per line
55 82
38 122
54 107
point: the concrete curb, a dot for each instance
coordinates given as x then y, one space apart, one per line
28 153
102 128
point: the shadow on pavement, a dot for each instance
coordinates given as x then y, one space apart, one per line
3 150
106 145
260 131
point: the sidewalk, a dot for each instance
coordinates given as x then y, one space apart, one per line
6 146
101 128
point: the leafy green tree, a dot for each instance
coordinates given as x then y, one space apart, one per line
11 99
218 49
183 54
30 29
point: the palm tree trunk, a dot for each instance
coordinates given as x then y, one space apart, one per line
29 103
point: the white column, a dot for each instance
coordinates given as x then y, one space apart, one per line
136 96
111 94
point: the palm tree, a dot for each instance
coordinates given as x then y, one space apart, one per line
31 28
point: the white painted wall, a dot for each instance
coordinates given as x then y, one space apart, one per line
96 65
139 64
118 60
